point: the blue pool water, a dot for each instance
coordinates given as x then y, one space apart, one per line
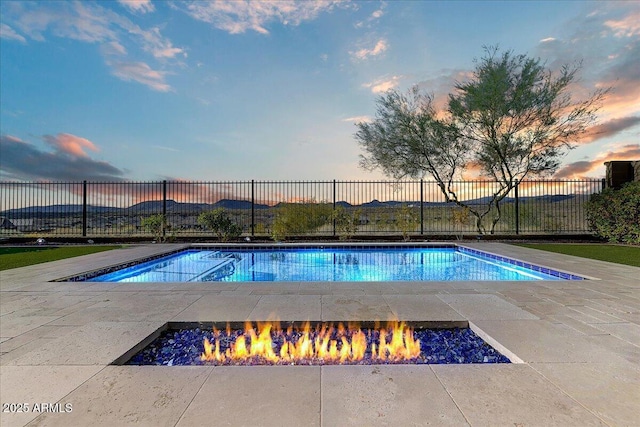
331 264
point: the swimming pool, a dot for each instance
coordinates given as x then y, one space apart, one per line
328 264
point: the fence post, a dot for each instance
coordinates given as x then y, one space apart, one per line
84 208
253 211
334 207
164 208
421 206
517 209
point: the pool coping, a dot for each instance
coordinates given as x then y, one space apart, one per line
578 341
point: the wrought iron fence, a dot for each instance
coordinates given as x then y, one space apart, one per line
340 208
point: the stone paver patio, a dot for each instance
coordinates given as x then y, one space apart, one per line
579 341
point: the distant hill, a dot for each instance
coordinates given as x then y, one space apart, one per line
237 204
146 207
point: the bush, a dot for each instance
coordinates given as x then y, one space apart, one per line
614 214
407 221
346 222
299 218
156 225
219 222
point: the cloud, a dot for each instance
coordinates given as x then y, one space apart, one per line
141 73
142 6
377 14
113 48
607 42
383 85
548 40
23 161
441 86
156 44
6 32
581 169
78 21
361 54
357 119
609 128
628 26
92 23
238 16
70 144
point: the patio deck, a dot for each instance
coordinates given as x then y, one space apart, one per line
579 340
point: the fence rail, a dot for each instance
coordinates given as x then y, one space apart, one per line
114 209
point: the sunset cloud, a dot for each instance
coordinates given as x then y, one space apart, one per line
583 168
616 51
361 54
238 16
628 26
608 129
21 160
70 144
383 85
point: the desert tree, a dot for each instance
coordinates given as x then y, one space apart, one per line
519 118
512 118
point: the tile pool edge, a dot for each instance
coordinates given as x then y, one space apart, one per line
566 275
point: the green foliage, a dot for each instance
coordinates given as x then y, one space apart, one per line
156 225
512 118
346 222
460 216
613 214
300 218
219 222
407 220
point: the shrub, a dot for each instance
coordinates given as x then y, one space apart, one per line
460 216
219 222
299 218
407 221
346 223
156 225
614 214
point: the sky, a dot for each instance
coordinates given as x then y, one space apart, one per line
145 90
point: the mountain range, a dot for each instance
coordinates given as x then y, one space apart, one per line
154 206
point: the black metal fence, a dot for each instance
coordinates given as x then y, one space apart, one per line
409 208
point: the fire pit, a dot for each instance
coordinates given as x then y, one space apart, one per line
268 343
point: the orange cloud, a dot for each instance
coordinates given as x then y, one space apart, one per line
607 129
70 144
582 169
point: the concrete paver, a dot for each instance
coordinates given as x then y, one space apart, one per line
277 396
386 395
511 395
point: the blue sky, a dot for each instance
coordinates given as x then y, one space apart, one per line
149 90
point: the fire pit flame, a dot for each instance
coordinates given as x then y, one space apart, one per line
330 345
